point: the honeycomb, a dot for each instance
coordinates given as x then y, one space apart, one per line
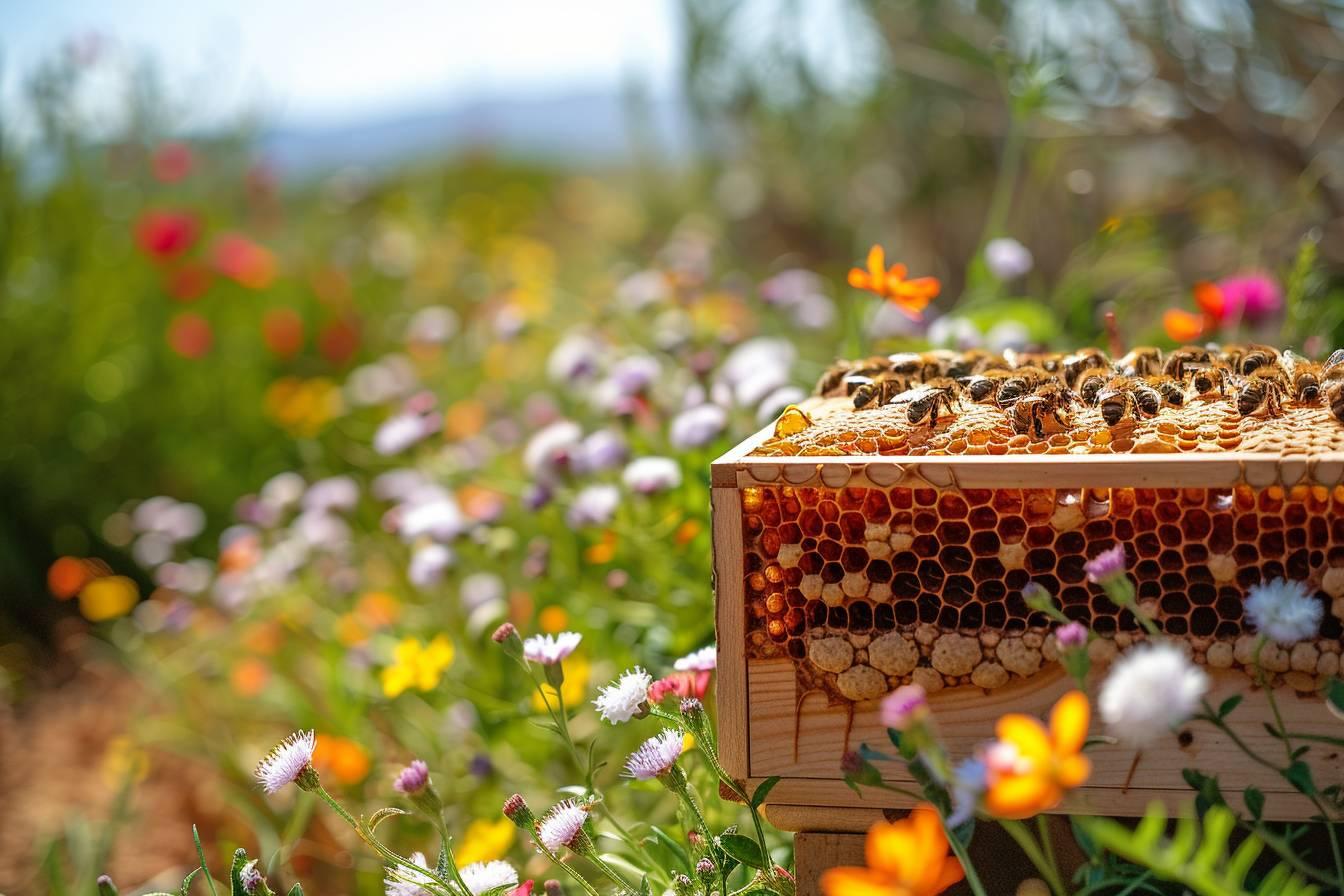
866 589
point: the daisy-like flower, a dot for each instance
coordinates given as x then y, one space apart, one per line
291 760
626 697
656 756
1150 690
402 881
703 660
563 826
1284 611
250 877
413 778
647 475
482 877
551 649
1106 565
911 296
903 858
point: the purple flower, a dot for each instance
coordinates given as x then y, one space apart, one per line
656 756
601 450
562 825
697 426
1007 259
250 877
537 495
594 506
413 778
647 475
575 357
904 707
401 431
1107 565
1253 295
1071 636
552 449
287 761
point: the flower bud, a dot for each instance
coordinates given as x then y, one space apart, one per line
106 887
705 868
682 885
1071 636
517 811
553 888
858 770
507 636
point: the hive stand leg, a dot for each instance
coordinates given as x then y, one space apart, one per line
814 853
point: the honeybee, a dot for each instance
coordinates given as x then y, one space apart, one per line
1334 397
1171 391
1185 358
1246 359
923 402
1082 362
1050 362
1304 376
1266 387
972 361
1091 387
980 386
838 372
1125 397
1019 383
1334 363
1047 404
915 366
878 390
1208 380
1143 361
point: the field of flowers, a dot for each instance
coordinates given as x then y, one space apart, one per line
407 472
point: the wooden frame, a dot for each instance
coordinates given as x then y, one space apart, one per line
766 731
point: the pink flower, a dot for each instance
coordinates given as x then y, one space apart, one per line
165 234
683 684
172 161
413 778
1253 295
1107 565
1071 635
904 707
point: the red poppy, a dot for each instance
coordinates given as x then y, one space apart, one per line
172 161
244 260
190 335
187 282
164 233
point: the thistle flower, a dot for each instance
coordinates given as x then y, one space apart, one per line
1284 611
656 757
1107 565
697 426
702 660
413 778
517 811
1071 636
482 877
552 887
705 867
550 649
904 707
626 697
291 761
1150 690
649 475
563 826
1007 259
250 877
401 881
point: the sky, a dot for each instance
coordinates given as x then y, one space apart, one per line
324 61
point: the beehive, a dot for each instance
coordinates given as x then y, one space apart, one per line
856 552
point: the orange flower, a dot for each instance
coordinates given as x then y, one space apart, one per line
904 858
341 757
1030 767
911 296
1182 326
1210 299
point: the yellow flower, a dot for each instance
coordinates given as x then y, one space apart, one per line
108 598
1030 766
904 858
417 666
485 841
573 690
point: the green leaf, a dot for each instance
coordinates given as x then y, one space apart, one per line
1207 791
671 845
296 890
383 815
1299 775
200 854
1334 695
763 791
1255 802
1231 703
744 849
186 881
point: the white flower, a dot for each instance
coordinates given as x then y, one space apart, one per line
702 660
399 432
282 490
1284 611
647 475
574 357
405 882
332 493
561 825
954 331
774 404
1007 334
622 700
482 877
594 506
1007 259
286 762
1149 690
656 756
436 323
428 564
551 449
432 511
697 426
548 649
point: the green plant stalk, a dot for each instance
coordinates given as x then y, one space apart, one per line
964 857
1121 592
1018 831
741 794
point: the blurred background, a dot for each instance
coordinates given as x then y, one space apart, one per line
256 258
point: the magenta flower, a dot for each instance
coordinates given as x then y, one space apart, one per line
1253 295
413 778
904 707
1107 565
1071 635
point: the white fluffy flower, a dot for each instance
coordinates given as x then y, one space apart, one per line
1007 259
551 649
428 564
332 493
286 762
552 448
647 475
697 426
1149 690
561 825
1284 611
399 432
405 882
482 877
593 506
656 756
624 698
702 660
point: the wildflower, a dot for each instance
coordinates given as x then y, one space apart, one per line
1007 259
243 260
291 761
1071 636
910 296
165 234
190 335
682 684
563 826
648 475
552 449
172 161
773 404
108 597
1107 565
517 811
574 357
342 757
905 707
428 564
402 881
656 757
1284 611
1150 690
800 293
604 449
1182 326
282 331
413 778
697 426
401 431
417 666
969 780
704 659
485 840
482 877
332 493
625 698
1254 296
955 331
250 878
432 325
1030 767
552 888
551 649
593 506
904 858
705 868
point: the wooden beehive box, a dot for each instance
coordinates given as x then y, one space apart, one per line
862 553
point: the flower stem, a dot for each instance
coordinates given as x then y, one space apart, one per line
1018 831
963 856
